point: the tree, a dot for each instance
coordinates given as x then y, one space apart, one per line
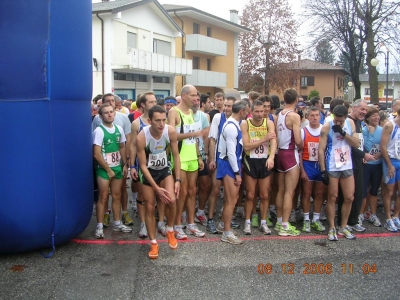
270 44
313 93
324 52
251 82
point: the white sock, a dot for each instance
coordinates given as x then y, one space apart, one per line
279 220
190 225
169 229
200 212
153 241
285 225
117 223
315 217
247 221
99 225
160 224
263 222
307 216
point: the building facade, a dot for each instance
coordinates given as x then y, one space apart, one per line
134 49
392 93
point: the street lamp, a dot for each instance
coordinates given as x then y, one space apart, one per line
350 85
375 62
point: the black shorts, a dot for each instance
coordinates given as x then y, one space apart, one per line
158 175
255 167
203 172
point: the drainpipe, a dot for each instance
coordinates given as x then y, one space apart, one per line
183 46
102 53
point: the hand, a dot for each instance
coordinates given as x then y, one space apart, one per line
377 155
177 188
270 136
369 157
201 164
391 171
212 166
338 129
270 163
303 175
134 174
111 174
325 177
238 180
162 194
125 171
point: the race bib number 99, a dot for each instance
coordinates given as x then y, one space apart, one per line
113 159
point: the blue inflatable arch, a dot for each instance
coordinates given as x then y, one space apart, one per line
46 186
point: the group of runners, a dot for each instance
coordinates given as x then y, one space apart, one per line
177 152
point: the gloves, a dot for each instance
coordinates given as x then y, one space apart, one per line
301 114
338 129
325 177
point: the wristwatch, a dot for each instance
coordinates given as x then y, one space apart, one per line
178 180
237 173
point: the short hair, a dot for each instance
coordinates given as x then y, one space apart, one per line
335 102
203 99
253 95
106 95
358 102
219 94
238 105
104 106
275 104
95 99
256 103
160 101
265 98
278 110
347 104
290 96
246 100
382 116
394 102
312 108
143 98
340 111
314 100
156 109
231 98
370 112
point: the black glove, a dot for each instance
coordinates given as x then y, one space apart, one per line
325 177
338 129
300 113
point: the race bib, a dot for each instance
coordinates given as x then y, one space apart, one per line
260 152
361 137
342 156
397 149
313 151
374 149
186 129
113 159
157 161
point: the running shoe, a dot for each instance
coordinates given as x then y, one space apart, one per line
277 227
317 225
231 238
220 227
99 234
265 229
179 234
247 228
332 235
389 225
375 220
202 219
292 218
106 220
360 219
162 229
234 225
143 231
122 228
254 221
211 227
240 212
358 228
153 253
306 226
291 231
172 242
345 232
396 223
194 230
126 219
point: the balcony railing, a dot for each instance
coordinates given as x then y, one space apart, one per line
207 78
205 45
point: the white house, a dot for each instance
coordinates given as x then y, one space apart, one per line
134 49
393 87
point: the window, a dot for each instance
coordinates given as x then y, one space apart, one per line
162 47
340 83
307 81
196 28
130 77
390 92
209 31
159 79
208 64
196 63
121 76
367 91
131 43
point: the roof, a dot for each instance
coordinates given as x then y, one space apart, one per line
121 5
381 77
192 12
308 64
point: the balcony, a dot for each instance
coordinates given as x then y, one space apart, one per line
205 45
206 78
141 60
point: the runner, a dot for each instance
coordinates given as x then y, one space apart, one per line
337 137
109 152
154 146
259 142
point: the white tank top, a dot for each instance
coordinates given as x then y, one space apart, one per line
338 150
285 135
393 146
156 153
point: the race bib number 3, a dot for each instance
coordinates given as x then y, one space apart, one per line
342 156
260 152
313 151
157 161
186 129
113 159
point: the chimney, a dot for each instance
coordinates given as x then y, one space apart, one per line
234 16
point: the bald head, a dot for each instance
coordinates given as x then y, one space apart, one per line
189 95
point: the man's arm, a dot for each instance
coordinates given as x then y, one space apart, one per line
296 126
323 139
387 130
273 145
133 148
174 119
177 159
122 151
231 140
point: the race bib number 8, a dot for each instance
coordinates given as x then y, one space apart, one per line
313 151
157 161
397 149
260 152
113 159
186 129
342 156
